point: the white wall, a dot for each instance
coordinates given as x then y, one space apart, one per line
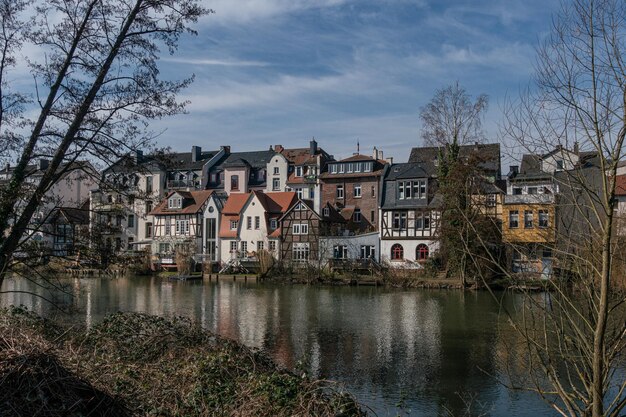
409 246
353 244
282 164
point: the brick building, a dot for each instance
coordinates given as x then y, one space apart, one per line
352 186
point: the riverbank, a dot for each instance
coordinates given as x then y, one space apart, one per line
133 364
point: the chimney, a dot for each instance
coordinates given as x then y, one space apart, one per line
8 166
278 148
43 164
226 149
576 148
313 147
375 153
271 148
196 153
513 170
390 159
137 154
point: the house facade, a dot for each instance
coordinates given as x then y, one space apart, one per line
179 220
409 215
352 186
303 230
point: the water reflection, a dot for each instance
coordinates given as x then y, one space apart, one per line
409 352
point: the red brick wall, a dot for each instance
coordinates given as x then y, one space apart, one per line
366 202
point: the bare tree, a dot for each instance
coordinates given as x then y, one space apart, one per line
572 123
96 89
451 118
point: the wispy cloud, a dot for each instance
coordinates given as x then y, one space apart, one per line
216 62
243 11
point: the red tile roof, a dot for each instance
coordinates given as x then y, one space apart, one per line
299 156
193 203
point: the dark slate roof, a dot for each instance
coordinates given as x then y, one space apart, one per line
409 170
161 160
183 160
490 152
220 199
254 159
531 163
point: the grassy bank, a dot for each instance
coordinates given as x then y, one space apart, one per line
139 365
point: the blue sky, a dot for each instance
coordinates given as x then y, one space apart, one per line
284 71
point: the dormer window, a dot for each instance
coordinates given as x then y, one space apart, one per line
326 212
333 169
273 224
175 202
559 164
276 170
299 171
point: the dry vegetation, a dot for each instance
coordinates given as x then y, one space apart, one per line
139 365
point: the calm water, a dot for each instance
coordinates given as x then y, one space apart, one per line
400 352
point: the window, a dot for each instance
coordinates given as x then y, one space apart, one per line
333 169
273 224
368 167
422 221
372 216
298 171
131 220
234 182
260 245
357 215
544 219
299 193
401 190
148 207
276 170
491 200
272 245
341 168
276 184
326 212
118 220
164 248
532 190
213 177
373 191
559 164
248 222
340 191
257 222
528 219
300 229
513 219
399 220
149 184
244 247
300 252
233 246
350 168
175 202
517 191
168 229
422 186
397 252
234 224
182 227
340 252
357 190
421 252
148 229
357 167
368 251
311 193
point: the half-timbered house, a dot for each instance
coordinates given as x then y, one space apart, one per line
212 217
178 220
409 214
302 228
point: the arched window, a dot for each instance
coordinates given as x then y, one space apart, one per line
397 252
421 252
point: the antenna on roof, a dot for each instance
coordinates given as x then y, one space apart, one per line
358 146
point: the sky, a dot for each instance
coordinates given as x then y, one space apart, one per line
273 72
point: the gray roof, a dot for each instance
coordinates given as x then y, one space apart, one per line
161 160
488 152
254 159
409 170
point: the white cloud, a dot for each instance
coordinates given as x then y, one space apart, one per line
243 11
216 62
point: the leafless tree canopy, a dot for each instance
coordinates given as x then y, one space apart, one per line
95 88
451 117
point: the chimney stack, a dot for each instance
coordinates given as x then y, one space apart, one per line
196 153
226 149
390 159
313 147
43 164
278 148
576 147
136 155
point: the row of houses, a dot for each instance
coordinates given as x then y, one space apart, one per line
302 205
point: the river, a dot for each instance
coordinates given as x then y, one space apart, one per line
400 352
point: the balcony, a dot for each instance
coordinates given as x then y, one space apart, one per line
310 179
529 199
178 184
